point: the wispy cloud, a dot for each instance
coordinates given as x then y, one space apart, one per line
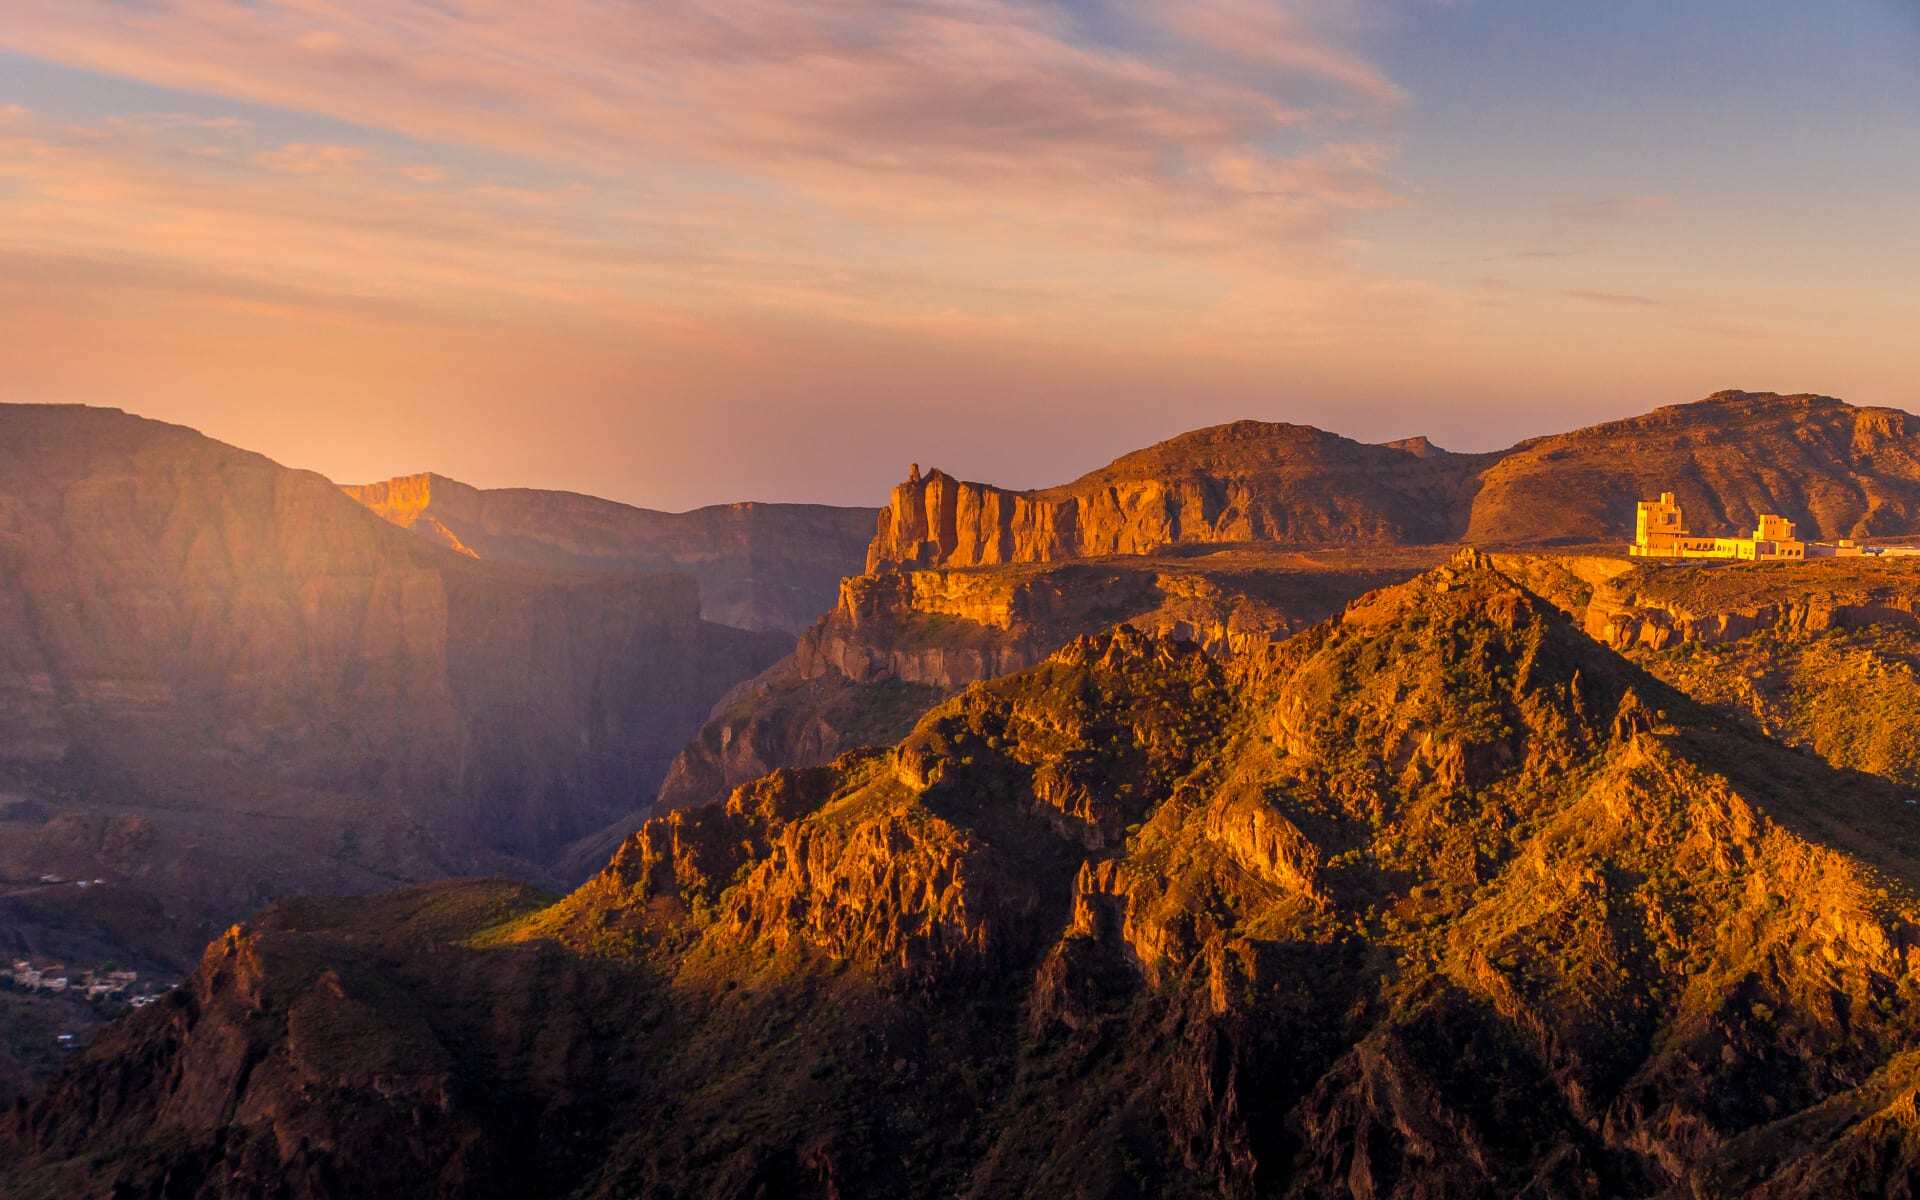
1616 299
1572 227
1610 210
1275 37
853 154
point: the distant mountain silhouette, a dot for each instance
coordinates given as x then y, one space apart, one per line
222 680
759 566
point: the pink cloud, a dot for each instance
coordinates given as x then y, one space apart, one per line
952 165
1273 36
935 111
311 158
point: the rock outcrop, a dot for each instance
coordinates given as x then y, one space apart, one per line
1246 482
1825 656
1440 897
1836 470
899 641
758 566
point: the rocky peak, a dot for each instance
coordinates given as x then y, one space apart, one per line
1447 682
1420 446
1437 898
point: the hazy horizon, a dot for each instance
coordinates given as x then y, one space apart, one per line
880 498
686 253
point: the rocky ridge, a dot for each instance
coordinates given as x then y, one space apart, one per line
1441 897
1824 656
899 641
1837 470
1246 482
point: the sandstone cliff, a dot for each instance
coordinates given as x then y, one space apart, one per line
1244 482
1838 470
1438 898
759 566
899 641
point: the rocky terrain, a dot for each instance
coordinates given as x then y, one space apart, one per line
899 641
1246 482
1172 538
1837 470
1439 898
1822 656
222 681
759 566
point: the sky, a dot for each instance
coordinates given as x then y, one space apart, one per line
679 252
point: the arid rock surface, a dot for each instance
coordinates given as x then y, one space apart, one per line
1822 655
1439 898
899 641
1837 470
1245 482
758 566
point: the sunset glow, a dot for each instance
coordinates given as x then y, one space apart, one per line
680 253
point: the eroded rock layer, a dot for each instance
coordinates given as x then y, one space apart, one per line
1439 898
898 641
1836 470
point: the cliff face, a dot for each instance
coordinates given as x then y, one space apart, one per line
221 680
1244 482
759 566
899 641
1839 471
1438 898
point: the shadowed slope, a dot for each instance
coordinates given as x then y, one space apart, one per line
1440 898
1822 655
222 681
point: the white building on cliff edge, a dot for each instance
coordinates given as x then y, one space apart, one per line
1659 531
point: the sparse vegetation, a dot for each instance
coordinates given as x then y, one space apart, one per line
1083 925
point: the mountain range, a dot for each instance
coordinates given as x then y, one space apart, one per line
1837 470
1442 897
1210 825
967 581
759 566
223 681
